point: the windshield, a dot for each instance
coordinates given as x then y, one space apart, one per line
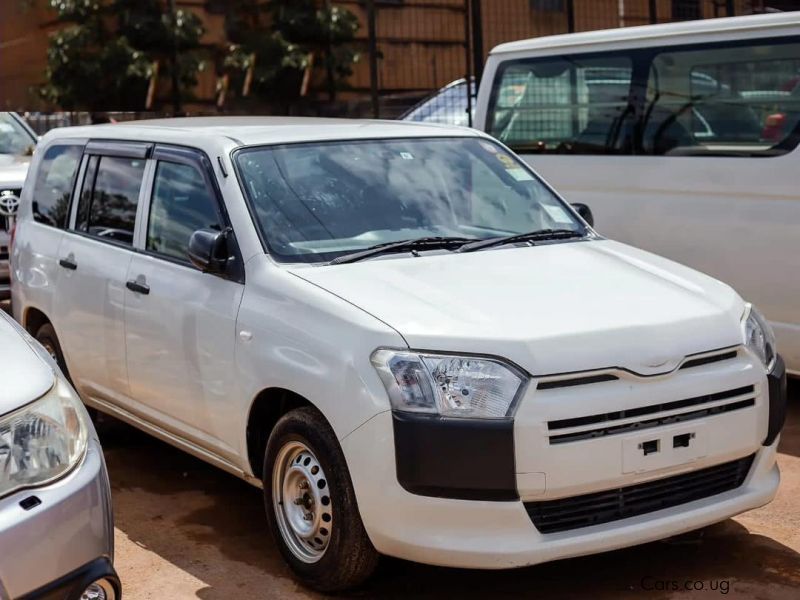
14 138
315 202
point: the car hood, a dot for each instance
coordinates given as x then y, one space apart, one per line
24 375
550 309
13 170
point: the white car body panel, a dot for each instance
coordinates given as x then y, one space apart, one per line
733 218
545 316
193 355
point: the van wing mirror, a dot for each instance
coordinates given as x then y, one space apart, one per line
585 212
208 250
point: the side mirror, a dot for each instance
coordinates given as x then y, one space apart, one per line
585 212
208 250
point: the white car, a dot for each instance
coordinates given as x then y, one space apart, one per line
399 332
56 522
17 142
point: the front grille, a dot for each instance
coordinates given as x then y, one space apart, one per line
582 380
565 514
707 360
624 421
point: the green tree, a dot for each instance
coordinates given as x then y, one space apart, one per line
104 56
276 42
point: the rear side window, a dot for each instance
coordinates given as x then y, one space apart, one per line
182 204
55 180
723 99
110 196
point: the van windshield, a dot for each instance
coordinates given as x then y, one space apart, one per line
316 202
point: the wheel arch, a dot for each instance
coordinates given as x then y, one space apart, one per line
269 405
33 319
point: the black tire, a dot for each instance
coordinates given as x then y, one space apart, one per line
47 337
349 558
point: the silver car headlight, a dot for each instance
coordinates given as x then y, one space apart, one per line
449 385
43 440
758 336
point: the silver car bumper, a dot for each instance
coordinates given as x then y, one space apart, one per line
51 548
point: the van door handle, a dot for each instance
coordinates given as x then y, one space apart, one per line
139 288
68 263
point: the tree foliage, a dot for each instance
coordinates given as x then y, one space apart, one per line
107 51
105 55
278 40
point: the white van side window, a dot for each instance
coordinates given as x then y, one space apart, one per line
724 99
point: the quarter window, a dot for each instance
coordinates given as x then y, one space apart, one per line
182 204
108 211
54 182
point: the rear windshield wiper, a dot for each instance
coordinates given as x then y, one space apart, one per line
541 234
424 243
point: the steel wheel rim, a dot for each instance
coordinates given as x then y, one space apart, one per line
50 349
302 502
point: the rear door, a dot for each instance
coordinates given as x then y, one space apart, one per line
180 322
93 262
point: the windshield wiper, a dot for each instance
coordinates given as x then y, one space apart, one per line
424 243
541 234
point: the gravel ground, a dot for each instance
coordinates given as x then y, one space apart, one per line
187 530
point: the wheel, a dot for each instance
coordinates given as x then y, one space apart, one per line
47 337
311 506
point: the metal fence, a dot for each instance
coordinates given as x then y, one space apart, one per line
427 55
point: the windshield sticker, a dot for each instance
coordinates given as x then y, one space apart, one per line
508 162
489 147
520 174
406 156
558 214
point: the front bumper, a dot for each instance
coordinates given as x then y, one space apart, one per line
419 510
51 546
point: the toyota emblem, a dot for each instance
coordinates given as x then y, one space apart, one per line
9 203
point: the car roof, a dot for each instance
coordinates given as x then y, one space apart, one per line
250 131
632 36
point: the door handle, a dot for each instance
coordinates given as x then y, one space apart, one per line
138 287
68 263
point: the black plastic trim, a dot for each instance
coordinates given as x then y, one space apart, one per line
72 585
119 148
707 360
562 383
647 410
777 400
445 457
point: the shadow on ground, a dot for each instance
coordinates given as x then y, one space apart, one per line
211 526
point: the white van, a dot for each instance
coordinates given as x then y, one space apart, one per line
400 333
681 137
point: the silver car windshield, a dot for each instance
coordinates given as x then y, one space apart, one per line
14 138
316 202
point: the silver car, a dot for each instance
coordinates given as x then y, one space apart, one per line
56 524
17 142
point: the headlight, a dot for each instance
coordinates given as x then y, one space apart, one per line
43 440
452 386
758 336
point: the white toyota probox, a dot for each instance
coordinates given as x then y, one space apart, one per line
398 331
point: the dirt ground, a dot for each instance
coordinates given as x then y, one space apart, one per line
188 530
